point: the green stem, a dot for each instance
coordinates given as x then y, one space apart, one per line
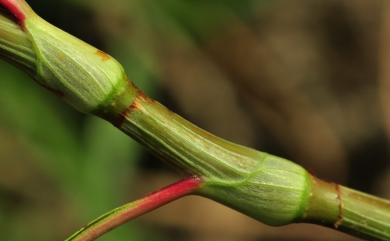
179 141
270 189
348 210
230 171
14 44
276 191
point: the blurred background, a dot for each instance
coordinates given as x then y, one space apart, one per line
306 80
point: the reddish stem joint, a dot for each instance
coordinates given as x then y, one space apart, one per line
14 8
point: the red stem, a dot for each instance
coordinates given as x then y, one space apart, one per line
14 7
135 209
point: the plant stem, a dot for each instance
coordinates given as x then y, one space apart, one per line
15 8
14 44
229 170
268 188
348 210
123 214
